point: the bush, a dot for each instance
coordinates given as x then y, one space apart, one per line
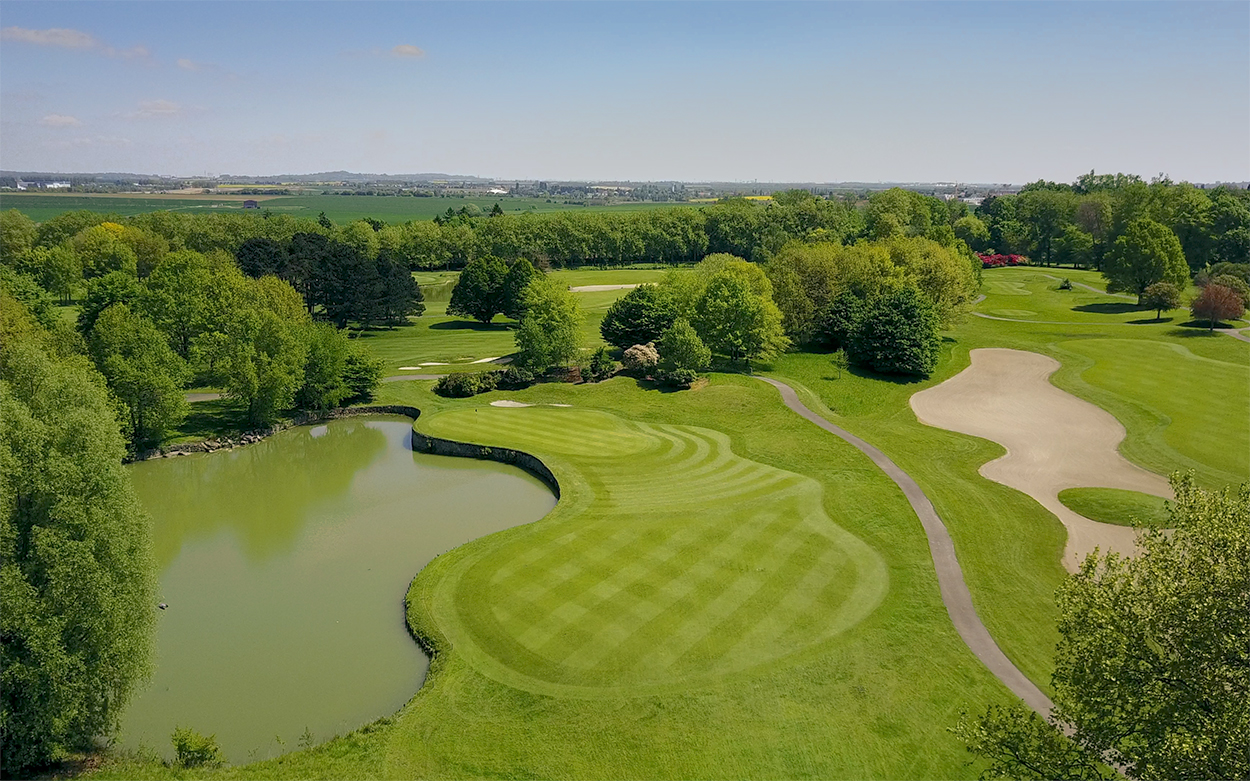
1066 284
513 378
641 358
677 378
461 385
195 750
601 365
999 261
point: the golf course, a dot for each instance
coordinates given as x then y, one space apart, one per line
721 579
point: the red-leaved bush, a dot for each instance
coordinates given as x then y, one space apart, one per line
998 261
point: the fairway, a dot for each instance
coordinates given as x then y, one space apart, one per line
697 563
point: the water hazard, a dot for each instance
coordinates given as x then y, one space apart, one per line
284 566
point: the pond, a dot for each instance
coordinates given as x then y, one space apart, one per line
284 566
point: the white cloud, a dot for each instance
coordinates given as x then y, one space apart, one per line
155 109
65 38
406 50
59 120
188 65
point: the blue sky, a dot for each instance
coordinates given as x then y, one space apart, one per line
980 92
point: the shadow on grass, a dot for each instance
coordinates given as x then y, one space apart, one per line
211 419
1108 308
894 379
1199 328
467 325
1151 321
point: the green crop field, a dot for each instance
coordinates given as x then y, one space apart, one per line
339 208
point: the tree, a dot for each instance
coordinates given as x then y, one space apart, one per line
142 372
682 354
973 232
638 317
1152 661
401 295
361 373
324 386
478 291
840 319
1074 247
261 256
1146 253
56 268
1161 296
17 237
549 333
512 288
897 333
260 360
100 251
1216 303
736 322
642 358
117 287
76 572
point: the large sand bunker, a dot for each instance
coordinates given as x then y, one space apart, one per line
1054 440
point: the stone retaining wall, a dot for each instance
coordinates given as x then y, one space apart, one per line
422 443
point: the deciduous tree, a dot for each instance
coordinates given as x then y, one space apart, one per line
737 322
479 290
1216 303
549 333
1161 296
638 317
1147 253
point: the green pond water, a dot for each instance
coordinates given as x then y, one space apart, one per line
284 565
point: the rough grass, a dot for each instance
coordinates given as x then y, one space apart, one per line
1114 505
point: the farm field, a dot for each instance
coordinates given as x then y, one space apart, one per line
339 208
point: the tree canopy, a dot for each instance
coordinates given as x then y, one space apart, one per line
1146 253
76 571
1152 662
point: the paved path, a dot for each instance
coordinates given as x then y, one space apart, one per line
954 590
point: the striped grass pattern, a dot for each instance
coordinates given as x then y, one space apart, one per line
673 561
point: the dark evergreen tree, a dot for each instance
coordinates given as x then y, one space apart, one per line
640 316
261 256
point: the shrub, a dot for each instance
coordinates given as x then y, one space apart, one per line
195 750
999 261
1066 284
464 384
677 378
514 378
601 365
642 358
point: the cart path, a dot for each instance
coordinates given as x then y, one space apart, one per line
954 590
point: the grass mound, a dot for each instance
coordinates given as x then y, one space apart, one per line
1114 505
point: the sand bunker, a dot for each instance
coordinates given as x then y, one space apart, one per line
1054 440
508 403
600 288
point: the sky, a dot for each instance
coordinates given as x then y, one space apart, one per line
641 91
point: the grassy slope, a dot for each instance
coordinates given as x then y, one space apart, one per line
1112 505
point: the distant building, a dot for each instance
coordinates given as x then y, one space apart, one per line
42 185
250 205
497 191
